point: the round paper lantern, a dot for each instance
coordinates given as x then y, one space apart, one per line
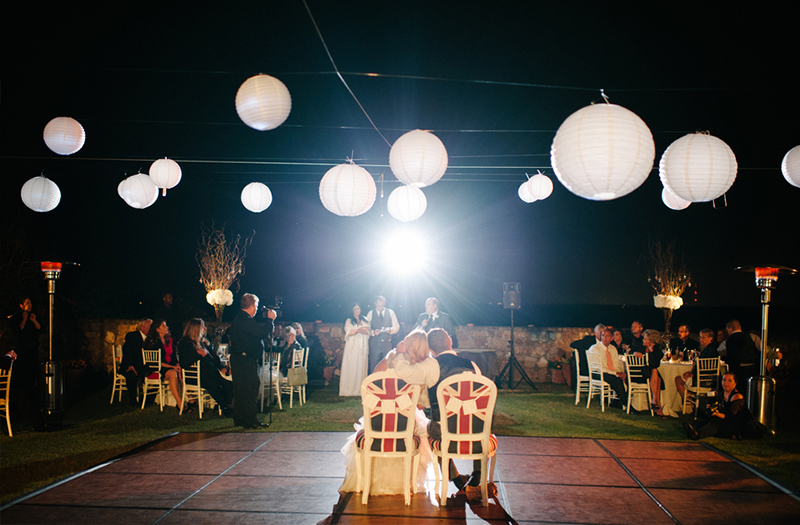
673 202
791 166
418 158
165 174
347 190
64 135
138 191
406 203
41 194
256 197
524 192
540 186
263 102
698 167
602 152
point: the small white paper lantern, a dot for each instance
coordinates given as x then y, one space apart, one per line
165 173
698 167
790 167
418 158
673 202
64 135
602 152
540 186
406 203
263 102
347 190
40 194
256 197
524 193
138 191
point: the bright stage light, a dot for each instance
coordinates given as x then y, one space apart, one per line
405 253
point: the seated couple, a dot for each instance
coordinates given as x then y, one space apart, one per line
412 362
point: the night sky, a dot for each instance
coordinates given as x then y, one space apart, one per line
493 80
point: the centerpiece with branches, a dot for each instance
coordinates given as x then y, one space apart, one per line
221 263
669 279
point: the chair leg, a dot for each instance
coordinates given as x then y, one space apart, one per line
591 390
578 391
367 477
436 473
445 480
406 476
484 485
359 468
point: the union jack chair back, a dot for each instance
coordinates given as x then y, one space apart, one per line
389 405
466 406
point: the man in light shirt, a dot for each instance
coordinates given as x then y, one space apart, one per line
613 368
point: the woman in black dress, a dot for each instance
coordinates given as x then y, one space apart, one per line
731 419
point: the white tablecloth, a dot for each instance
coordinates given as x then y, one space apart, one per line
671 400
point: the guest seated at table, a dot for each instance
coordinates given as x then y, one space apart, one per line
286 350
731 419
193 347
654 347
300 336
618 341
634 342
581 346
158 338
683 344
613 368
708 345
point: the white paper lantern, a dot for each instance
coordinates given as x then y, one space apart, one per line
165 173
698 167
138 191
524 193
64 135
602 152
418 158
256 197
40 194
673 202
540 186
263 102
347 190
790 167
406 203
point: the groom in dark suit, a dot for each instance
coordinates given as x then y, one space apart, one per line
433 318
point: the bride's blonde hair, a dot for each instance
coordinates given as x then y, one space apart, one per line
417 348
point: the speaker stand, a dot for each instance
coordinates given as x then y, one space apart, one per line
511 365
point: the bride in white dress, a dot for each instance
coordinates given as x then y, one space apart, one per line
387 473
356 354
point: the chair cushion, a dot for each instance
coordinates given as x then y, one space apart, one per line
154 375
384 445
465 447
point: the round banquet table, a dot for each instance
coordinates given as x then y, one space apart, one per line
671 400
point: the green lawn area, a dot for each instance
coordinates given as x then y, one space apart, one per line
95 431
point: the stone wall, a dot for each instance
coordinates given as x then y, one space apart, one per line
534 346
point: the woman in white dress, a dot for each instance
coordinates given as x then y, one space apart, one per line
356 354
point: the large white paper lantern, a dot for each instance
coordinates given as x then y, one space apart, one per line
347 190
418 158
673 202
40 194
524 193
263 102
790 167
406 203
256 197
602 152
698 167
64 135
165 173
138 191
540 186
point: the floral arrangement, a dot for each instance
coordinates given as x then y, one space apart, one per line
220 297
673 302
669 280
330 358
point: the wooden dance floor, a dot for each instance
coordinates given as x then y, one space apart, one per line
292 478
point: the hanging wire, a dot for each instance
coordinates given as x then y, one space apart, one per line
336 69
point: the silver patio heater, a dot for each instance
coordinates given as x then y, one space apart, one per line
53 375
761 389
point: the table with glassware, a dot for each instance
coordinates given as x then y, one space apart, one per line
671 400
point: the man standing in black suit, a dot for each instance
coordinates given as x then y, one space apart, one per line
132 364
433 318
383 324
247 346
742 354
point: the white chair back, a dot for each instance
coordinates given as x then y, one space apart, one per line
637 371
5 396
270 378
582 382
119 379
597 386
152 381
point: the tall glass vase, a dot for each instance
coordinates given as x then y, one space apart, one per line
218 308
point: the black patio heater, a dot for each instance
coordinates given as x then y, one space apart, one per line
511 301
761 389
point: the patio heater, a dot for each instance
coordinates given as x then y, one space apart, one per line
761 389
53 374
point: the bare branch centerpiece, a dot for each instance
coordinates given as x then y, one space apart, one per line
221 263
669 280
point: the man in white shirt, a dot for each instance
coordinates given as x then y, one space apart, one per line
613 368
383 324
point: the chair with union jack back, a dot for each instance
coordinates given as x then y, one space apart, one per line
389 405
466 405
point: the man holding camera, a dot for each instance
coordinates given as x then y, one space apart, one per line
247 346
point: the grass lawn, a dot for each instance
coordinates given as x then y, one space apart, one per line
95 431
